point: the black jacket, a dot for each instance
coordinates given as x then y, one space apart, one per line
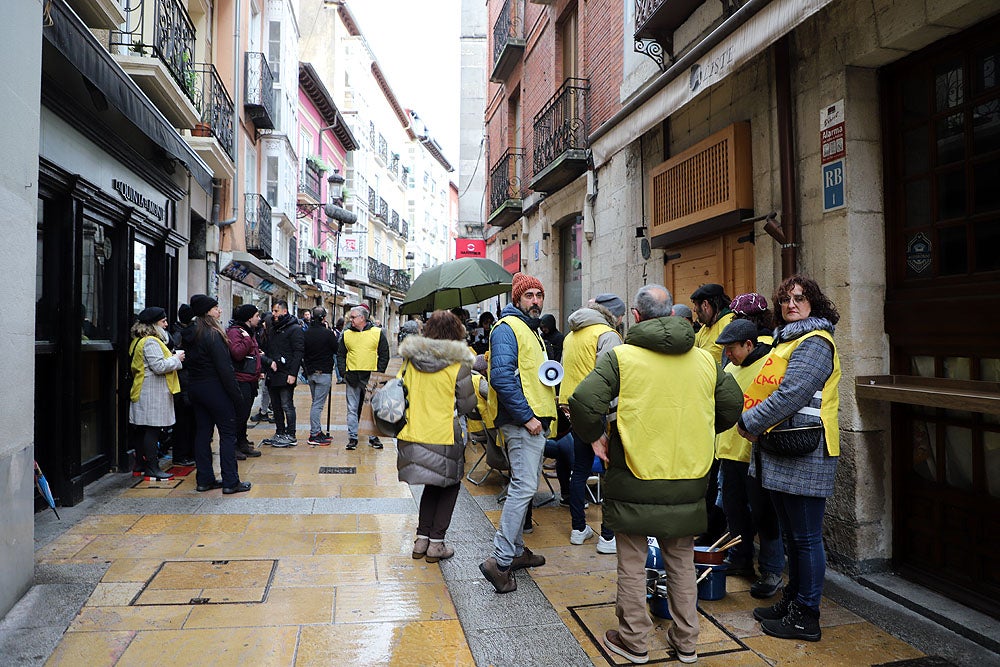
284 347
207 360
320 348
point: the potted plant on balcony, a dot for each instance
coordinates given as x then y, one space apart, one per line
318 163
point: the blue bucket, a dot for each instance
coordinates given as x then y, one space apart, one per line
713 586
658 606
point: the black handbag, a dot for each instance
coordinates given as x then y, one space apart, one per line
797 441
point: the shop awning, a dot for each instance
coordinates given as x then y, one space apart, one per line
686 81
79 46
251 271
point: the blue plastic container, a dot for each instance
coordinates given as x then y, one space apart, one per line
658 606
713 586
654 557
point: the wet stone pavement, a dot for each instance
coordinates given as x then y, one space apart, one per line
314 568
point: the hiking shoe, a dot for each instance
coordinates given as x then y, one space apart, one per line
778 609
283 440
247 448
581 536
503 580
614 643
800 622
607 546
375 442
527 559
352 444
687 657
766 586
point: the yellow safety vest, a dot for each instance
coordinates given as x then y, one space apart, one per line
730 444
580 356
530 356
431 413
487 410
773 372
362 349
666 412
139 369
706 337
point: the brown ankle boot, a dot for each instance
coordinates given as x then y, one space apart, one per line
420 547
438 551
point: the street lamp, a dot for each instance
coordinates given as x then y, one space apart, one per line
341 216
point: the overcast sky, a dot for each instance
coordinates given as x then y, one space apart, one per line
417 46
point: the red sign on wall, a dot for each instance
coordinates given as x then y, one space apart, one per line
512 258
470 248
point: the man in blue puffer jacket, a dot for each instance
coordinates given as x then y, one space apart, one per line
525 409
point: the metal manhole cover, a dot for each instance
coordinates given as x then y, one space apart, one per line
337 470
208 582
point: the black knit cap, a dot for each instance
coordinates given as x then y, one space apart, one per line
185 314
152 315
245 312
202 303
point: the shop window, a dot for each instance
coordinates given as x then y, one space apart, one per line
95 272
138 277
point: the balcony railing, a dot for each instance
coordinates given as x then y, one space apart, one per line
508 40
659 18
259 100
400 280
394 222
216 108
562 128
293 254
404 230
383 149
162 28
379 273
505 179
382 212
372 202
257 213
371 133
312 179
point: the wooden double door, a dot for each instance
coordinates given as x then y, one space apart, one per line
727 259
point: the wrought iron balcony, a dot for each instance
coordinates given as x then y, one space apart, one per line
216 108
400 280
379 273
657 19
383 149
372 202
508 40
404 230
293 254
165 29
257 214
506 188
382 212
312 179
394 221
259 87
561 134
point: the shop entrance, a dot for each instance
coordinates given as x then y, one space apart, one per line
727 259
942 154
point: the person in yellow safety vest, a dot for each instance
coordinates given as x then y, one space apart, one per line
363 348
798 387
747 505
525 409
672 400
712 310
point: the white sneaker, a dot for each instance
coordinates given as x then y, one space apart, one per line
581 536
606 546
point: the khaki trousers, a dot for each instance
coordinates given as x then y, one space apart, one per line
634 623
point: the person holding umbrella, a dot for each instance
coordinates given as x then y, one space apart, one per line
154 382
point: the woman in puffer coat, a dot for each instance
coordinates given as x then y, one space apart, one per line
437 374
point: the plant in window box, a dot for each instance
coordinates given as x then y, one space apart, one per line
318 163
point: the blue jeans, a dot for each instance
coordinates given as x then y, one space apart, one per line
337 371
801 521
562 451
284 409
525 454
355 398
583 465
749 511
319 388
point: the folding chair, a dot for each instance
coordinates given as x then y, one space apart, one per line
596 474
495 456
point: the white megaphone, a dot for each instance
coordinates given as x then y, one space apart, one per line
550 373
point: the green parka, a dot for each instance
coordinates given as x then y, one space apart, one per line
662 507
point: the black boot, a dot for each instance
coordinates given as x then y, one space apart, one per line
246 448
778 610
151 466
800 622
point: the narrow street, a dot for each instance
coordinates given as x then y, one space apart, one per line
312 567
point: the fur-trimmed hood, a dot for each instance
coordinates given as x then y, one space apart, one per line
595 313
430 355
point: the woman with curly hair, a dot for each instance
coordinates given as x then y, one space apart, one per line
798 387
154 382
437 374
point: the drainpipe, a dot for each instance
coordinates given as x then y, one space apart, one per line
786 157
236 108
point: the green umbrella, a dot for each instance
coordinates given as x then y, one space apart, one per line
456 283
